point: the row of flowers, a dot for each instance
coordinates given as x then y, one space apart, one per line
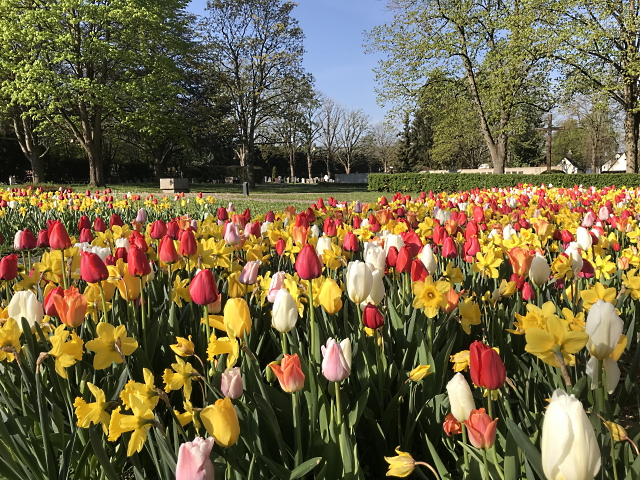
139 338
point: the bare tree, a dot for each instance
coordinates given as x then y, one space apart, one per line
331 115
355 125
384 139
311 127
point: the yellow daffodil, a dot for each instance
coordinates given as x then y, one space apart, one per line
469 314
10 334
184 347
139 423
180 291
401 465
224 345
561 267
597 292
88 413
487 264
145 391
430 295
65 353
105 346
555 339
604 267
460 361
453 274
180 377
419 373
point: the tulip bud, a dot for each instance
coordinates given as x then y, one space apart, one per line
330 296
137 262
392 241
359 281
285 312
604 328
203 289
188 246
336 360
231 235
482 431
539 271
377 287
569 447
141 217
350 242
371 317
194 460
486 367
231 383
460 397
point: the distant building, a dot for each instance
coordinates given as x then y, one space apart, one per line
568 166
617 165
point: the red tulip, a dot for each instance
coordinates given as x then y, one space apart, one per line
371 317
449 248
486 367
167 250
27 240
203 288
392 257
270 216
83 223
43 239
115 220
482 431
137 239
158 230
308 264
329 227
412 240
58 236
49 304
92 268
418 271
280 246
9 267
188 246
528 295
470 248
173 229
222 214
121 253
99 225
137 262
403 263
350 242
86 236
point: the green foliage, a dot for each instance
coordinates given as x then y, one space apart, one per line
453 182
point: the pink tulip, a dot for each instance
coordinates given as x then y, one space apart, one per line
277 282
249 274
231 235
194 462
336 361
231 384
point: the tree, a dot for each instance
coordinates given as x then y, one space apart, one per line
311 127
81 66
569 143
353 128
490 45
384 143
331 115
256 46
599 51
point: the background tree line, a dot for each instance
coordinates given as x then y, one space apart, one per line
114 90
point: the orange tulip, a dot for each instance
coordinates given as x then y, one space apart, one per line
289 373
72 307
452 300
300 235
520 259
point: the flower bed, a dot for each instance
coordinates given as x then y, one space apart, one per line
486 334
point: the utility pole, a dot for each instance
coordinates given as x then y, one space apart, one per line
549 129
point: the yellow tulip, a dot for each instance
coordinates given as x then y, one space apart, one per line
221 421
237 316
401 465
419 373
330 296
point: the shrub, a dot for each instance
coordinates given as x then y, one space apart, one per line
453 182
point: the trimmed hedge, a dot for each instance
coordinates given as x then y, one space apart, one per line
454 182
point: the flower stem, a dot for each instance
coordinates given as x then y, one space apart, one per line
563 367
297 426
104 303
486 465
64 273
144 317
613 459
315 352
490 397
495 461
465 440
283 341
207 329
338 405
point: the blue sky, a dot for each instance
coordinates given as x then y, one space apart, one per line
334 39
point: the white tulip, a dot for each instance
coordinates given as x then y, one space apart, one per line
576 258
392 240
569 447
377 287
508 231
460 397
610 367
24 304
315 231
359 281
539 270
604 328
16 240
428 259
264 227
285 312
123 243
374 256
583 238
324 243
345 345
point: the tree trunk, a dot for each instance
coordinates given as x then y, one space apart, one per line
160 168
37 165
630 130
292 166
498 152
309 164
327 161
96 172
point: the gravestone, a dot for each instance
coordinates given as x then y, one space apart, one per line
174 185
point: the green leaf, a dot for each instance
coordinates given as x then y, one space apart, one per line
98 449
530 451
304 468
